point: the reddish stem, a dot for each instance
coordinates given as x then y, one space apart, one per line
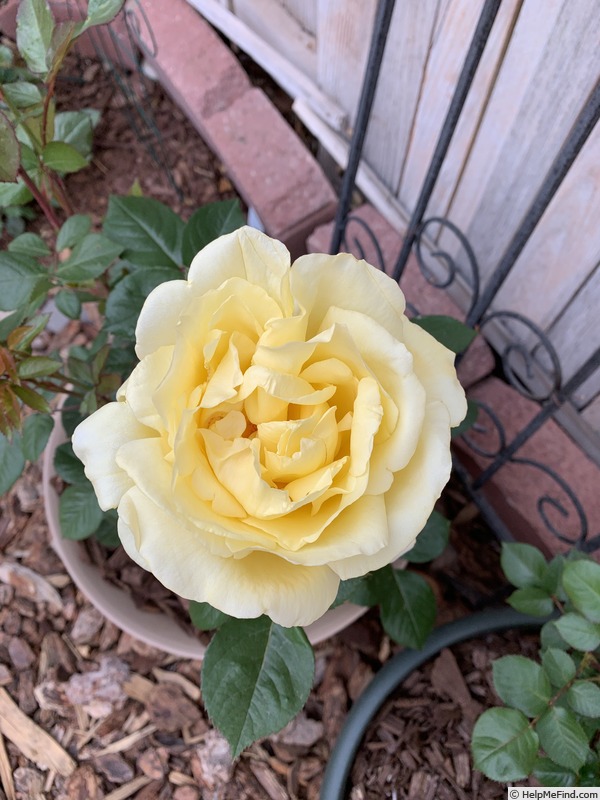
41 199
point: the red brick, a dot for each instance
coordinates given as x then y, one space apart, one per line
517 488
191 61
271 168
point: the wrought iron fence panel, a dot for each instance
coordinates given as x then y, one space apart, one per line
528 359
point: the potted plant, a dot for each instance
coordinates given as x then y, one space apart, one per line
266 439
548 728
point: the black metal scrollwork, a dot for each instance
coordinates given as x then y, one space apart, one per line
446 260
521 362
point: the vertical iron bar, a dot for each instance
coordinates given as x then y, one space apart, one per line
587 119
367 95
476 48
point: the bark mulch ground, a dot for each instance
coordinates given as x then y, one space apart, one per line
89 713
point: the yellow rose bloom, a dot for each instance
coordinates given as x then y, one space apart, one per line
285 428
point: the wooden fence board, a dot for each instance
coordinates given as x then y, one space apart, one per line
305 11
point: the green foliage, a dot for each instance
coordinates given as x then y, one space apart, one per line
205 617
432 540
207 224
407 606
560 694
504 744
149 232
256 676
454 335
10 152
79 513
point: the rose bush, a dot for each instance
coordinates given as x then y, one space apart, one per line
285 428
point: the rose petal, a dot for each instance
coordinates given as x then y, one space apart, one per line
260 583
97 440
434 366
245 253
411 498
316 279
157 322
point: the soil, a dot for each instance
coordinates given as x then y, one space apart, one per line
130 717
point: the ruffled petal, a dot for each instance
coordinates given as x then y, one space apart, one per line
245 253
259 583
157 322
412 496
316 279
434 366
97 440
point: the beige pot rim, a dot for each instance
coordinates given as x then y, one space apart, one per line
154 629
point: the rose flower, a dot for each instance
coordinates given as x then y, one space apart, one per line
285 428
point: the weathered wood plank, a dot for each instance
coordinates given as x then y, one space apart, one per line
289 77
508 162
445 61
305 12
274 23
343 34
400 84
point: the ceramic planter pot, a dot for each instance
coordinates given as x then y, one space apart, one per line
155 629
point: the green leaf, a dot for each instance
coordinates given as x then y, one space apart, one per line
469 420
205 617
31 398
73 230
504 745
578 632
581 581
101 11
62 157
14 194
127 298
256 676
76 128
550 774
35 25
68 303
12 461
29 244
207 224
148 230
558 666
584 698
36 432
532 600
78 512
37 367
67 466
523 564
522 684
550 637
10 150
407 607
6 57
363 591
432 540
22 94
90 258
63 36
553 578
106 533
454 335
563 738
